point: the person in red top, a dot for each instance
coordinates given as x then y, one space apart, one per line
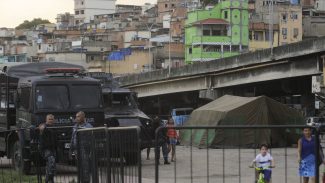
172 135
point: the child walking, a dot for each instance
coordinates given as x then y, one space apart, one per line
172 135
265 161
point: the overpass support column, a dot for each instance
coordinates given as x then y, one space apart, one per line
210 94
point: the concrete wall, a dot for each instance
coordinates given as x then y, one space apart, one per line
292 23
263 44
165 7
72 58
130 35
320 5
134 63
93 7
307 3
313 26
4 32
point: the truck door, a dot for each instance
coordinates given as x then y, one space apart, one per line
8 88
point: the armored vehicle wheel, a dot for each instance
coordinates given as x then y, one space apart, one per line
17 160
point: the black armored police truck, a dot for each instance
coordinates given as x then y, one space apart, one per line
29 92
121 108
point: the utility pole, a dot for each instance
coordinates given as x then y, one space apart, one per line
169 57
149 45
271 25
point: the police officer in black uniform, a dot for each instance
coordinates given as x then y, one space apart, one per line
48 145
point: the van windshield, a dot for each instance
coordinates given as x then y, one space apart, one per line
85 96
120 100
58 97
52 97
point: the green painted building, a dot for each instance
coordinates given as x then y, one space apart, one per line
218 32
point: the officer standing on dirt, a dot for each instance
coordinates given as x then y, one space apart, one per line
48 145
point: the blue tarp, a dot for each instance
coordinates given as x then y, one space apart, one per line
116 55
119 55
126 51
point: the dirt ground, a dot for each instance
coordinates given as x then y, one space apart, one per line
217 165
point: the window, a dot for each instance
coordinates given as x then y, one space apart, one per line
190 50
0 49
173 5
256 36
82 12
295 32
206 31
77 22
226 48
7 100
166 5
39 47
212 48
92 57
82 3
217 33
284 17
250 35
225 15
85 97
235 48
52 97
119 100
284 31
267 36
24 96
294 16
77 12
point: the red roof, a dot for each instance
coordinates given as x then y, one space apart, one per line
211 21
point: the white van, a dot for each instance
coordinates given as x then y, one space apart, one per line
312 121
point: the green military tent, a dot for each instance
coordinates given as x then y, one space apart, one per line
234 110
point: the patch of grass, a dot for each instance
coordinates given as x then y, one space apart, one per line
12 176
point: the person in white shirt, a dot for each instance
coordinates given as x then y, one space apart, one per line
265 161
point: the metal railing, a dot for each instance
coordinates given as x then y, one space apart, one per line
224 153
24 161
109 155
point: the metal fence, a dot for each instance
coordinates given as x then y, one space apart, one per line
224 153
102 155
24 162
109 155
201 155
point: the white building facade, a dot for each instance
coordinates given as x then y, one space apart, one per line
86 9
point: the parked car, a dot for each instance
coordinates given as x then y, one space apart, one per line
312 121
181 115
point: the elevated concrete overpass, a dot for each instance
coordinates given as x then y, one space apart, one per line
294 60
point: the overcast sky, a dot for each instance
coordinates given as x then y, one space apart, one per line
14 12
